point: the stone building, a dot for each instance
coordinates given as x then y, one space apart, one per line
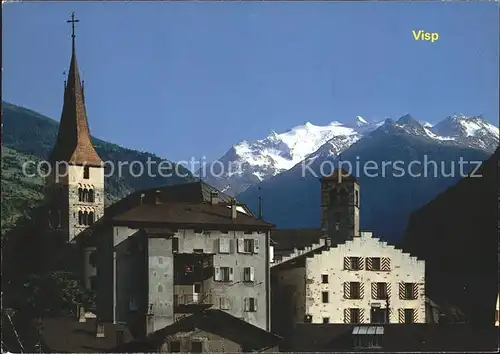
74 186
164 258
341 275
157 255
211 331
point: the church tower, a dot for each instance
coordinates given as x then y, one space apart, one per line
75 183
340 206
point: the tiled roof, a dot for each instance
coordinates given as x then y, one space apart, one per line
68 335
189 213
395 338
73 143
213 321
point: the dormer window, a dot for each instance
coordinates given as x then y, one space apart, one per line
86 172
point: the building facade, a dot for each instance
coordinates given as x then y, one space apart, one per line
162 260
344 275
74 186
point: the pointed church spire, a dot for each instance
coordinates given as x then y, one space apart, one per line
73 143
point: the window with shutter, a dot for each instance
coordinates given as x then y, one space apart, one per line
224 245
217 274
231 274
246 274
241 245
255 246
252 274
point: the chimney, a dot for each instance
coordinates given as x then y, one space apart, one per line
234 212
214 197
81 314
100 330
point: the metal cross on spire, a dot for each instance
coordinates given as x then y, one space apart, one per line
73 21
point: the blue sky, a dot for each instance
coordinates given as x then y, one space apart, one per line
189 79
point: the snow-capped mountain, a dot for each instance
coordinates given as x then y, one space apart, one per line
248 163
471 131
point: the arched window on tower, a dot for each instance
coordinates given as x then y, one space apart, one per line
80 218
344 196
85 218
80 195
91 218
85 195
91 195
333 197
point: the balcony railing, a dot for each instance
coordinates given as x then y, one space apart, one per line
193 299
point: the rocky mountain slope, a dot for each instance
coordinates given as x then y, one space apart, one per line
457 234
292 198
30 136
250 162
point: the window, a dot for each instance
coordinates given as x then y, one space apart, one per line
381 291
175 347
224 303
324 278
326 319
80 195
86 172
90 219
196 347
197 288
354 263
375 263
224 274
353 316
409 291
248 245
378 315
119 337
355 290
409 315
324 297
224 245
250 304
248 274
93 258
357 198
175 244
91 196
333 197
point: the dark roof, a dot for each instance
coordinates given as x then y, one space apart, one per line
344 176
288 239
73 143
396 338
195 214
194 192
217 322
68 335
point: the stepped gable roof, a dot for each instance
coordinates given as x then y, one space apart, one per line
74 144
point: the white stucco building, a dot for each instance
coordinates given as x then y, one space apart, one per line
344 276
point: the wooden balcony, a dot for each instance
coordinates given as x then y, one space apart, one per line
187 303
